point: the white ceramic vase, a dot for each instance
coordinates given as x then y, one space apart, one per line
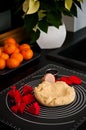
54 38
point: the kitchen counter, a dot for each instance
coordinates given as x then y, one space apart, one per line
41 61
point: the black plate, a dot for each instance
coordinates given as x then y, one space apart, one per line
69 117
7 70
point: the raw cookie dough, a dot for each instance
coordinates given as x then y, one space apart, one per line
54 94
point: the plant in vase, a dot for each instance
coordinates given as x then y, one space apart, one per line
39 15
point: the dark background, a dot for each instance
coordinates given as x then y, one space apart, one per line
15 18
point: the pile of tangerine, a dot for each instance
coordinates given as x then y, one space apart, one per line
12 53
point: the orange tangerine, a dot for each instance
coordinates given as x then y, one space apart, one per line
18 56
12 63
17 50
2 63
24 46
0 51
9 48
4 55
9 40
27 54
2 48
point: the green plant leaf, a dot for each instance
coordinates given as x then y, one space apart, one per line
68 4
54 19
73 10
43 25
31 6
34 36
41 14
30 21
77 3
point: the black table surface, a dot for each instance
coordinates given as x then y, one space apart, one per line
15 76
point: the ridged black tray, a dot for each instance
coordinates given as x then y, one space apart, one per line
69 117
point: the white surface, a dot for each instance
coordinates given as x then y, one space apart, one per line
80 21
53 39
74 24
